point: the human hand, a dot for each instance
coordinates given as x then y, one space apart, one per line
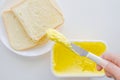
112 69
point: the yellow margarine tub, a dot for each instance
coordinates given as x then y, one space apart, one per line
69 64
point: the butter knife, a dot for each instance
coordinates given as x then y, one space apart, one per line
80 51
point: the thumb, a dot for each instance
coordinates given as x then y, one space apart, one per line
113 70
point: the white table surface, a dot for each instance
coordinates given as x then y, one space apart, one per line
84 20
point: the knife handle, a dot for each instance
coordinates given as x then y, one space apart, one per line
102 62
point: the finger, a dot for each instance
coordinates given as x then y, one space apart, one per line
99 68
113 69
108 74
113 58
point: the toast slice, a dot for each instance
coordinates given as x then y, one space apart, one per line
37 16
18 38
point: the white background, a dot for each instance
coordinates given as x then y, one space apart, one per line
84 20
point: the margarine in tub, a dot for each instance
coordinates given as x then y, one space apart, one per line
66 63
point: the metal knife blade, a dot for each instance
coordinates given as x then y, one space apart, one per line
79 50
89 55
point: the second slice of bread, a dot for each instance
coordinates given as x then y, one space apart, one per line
37 16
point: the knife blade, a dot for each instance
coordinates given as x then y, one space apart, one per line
89 55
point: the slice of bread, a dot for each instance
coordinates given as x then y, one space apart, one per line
37 16
18 38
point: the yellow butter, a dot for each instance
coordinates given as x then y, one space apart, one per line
57 37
